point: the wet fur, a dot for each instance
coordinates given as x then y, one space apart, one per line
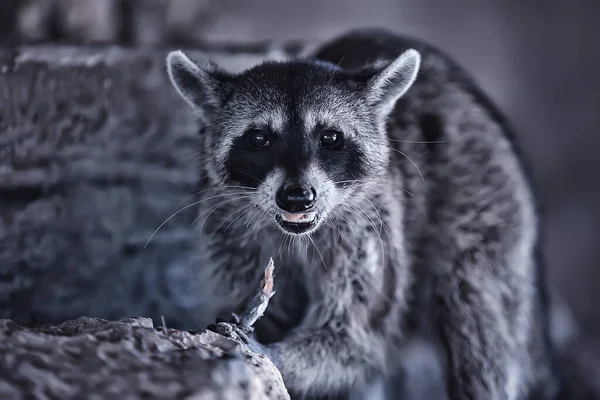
429 227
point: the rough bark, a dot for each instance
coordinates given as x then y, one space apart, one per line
95 359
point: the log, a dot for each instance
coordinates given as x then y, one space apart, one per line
93 358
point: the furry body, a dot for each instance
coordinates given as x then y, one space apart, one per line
426 224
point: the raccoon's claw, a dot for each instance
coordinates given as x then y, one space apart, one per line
223 328
234 332
235 319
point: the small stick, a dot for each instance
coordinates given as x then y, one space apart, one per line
164 323
257 306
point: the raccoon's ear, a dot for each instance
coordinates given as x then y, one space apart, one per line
391 82
201 84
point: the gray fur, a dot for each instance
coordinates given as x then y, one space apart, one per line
437 241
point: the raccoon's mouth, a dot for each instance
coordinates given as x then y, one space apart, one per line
297 223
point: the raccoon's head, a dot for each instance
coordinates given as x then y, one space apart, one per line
308 136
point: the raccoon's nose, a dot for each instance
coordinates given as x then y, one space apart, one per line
296 198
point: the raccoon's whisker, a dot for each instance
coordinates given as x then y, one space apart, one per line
359 181
326 240
243 210
337 225
364 214
174 214
372 223
196 152
245 188
209 211
249 208
248 175
301 245
263 214
409 159
279 253
333 71
305 243
374 208
370 181
256 215
214 208
225 189
350 225
318 252
236 195
282 245
229 187
290 245
417 141
189 164
358 207
383 226
408 191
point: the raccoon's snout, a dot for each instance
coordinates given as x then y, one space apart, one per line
296 198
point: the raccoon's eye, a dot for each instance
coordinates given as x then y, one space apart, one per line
257 139
331 139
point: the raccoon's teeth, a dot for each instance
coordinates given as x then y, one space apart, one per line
298 218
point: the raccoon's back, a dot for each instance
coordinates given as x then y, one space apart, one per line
444 132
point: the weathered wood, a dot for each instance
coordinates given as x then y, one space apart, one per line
96 359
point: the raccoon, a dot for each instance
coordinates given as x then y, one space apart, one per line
393 197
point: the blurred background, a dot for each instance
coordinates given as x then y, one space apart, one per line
540 61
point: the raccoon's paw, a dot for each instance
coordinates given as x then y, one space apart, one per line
231 330
246 338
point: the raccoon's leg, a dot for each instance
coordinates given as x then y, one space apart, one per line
321 363
329 358
481 352
486 312
342 341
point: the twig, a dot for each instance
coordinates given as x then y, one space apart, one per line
257 306
164 324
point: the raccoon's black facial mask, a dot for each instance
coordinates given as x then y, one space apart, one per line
304 135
